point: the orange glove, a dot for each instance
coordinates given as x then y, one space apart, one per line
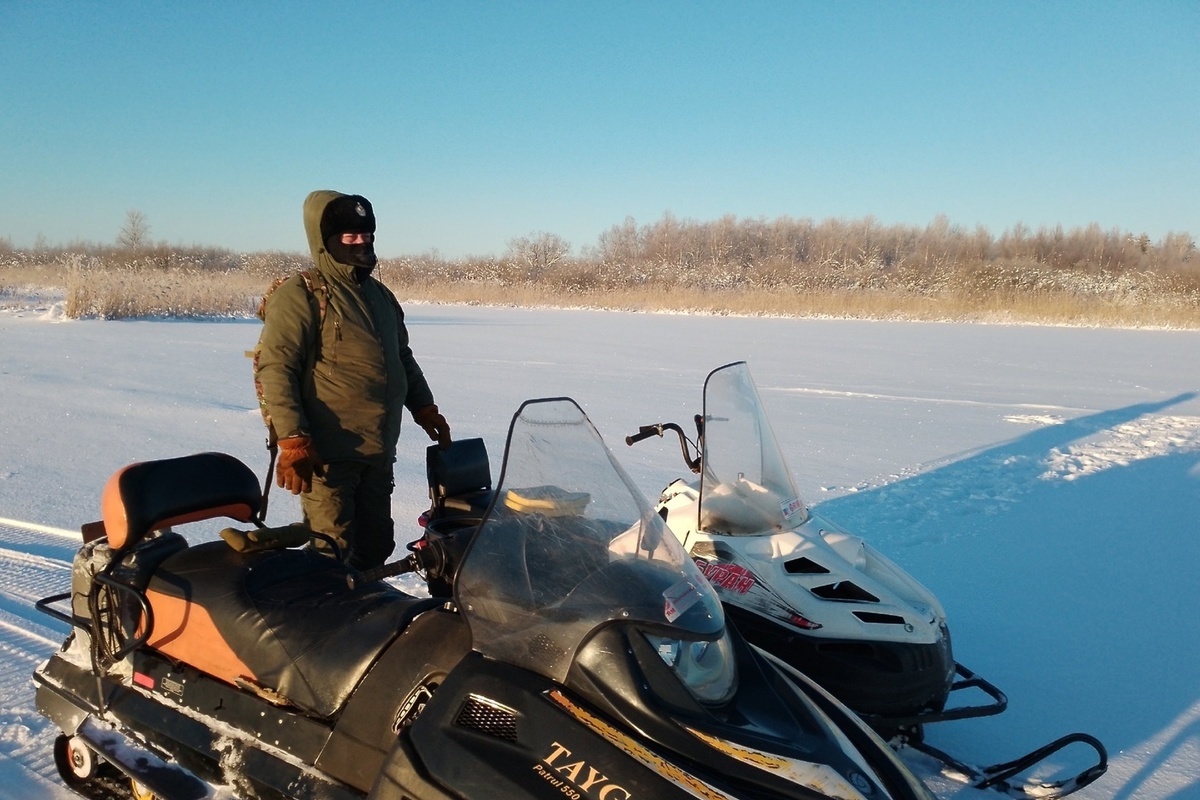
434 424
298 463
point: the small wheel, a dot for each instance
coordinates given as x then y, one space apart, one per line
140 792
76 762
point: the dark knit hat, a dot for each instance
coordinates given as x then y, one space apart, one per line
349 213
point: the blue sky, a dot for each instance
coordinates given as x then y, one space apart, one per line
470 123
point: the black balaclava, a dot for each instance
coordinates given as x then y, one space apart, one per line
349 213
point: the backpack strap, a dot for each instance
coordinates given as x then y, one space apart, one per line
318 295
318 292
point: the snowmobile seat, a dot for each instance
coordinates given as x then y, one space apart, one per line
152 495
460 479
283 622
138 506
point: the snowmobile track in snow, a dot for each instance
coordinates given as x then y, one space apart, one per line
26 576
30 561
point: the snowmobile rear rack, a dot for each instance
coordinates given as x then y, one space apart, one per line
44 606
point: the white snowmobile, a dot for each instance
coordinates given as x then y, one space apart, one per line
570 649
822 599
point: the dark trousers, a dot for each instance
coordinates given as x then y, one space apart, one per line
352 503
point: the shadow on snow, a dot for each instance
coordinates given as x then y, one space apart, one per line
1076 595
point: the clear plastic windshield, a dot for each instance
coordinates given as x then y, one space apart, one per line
745 487
570 544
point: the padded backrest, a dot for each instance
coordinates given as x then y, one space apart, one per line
458 469
150 495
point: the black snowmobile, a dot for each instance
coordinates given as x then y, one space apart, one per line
570 649
822 599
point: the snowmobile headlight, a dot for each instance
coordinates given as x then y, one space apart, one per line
706 668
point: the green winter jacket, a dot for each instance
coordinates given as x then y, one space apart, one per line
343 379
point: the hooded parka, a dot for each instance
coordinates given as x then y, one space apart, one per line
342 376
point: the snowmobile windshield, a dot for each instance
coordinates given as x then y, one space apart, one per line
745 485
569 544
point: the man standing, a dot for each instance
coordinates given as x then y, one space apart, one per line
336 371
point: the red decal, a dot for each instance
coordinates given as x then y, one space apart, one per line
143 680
727 576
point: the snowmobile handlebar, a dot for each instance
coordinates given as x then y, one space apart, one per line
411 563
428 556
646 431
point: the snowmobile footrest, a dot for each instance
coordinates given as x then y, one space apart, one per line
161 778
998 776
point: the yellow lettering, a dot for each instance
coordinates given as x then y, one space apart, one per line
594 777
607 790
556 752
571 770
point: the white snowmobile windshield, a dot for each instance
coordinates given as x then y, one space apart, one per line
746 487
569 544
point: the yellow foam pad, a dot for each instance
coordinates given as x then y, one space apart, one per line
549 500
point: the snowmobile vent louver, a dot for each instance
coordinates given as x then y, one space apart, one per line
844 590
483 715
804 566
879 619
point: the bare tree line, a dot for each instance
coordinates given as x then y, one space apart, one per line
763 244
782 265
729 254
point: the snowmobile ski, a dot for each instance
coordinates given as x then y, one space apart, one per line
1004 777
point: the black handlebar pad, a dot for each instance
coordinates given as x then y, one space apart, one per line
644 432
401 567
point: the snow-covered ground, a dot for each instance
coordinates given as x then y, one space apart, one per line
1043 482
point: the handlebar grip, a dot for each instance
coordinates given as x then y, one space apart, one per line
644 432
401 567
